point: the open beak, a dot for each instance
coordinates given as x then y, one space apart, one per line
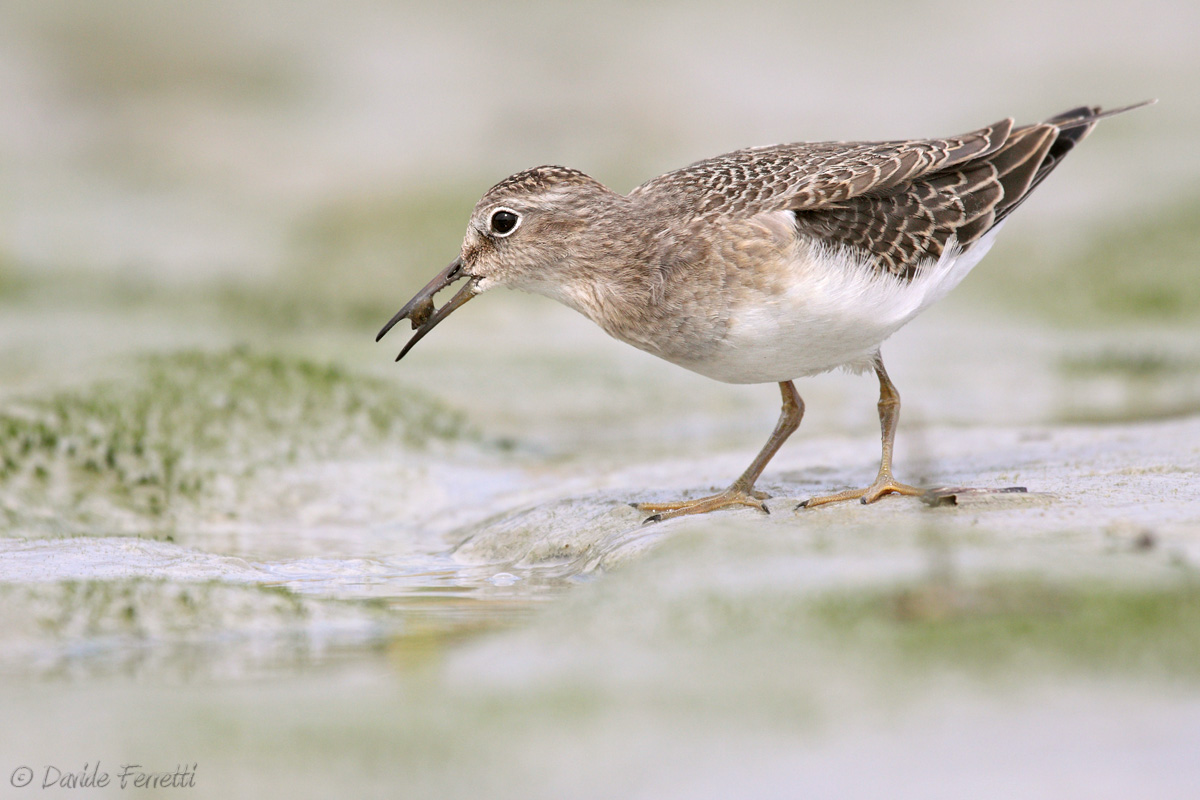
420 309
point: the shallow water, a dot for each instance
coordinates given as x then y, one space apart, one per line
236 535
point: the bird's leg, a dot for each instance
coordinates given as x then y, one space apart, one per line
741 492
889 416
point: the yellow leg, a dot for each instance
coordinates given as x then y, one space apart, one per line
741 492
889 416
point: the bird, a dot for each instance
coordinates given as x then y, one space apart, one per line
762 265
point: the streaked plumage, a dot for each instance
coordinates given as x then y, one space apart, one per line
761 265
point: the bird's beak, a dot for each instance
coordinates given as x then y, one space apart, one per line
420 309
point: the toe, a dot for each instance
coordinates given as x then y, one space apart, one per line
703 505
851 494
889 487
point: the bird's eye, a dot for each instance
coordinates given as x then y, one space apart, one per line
504 221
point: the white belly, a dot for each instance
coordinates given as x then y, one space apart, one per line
832 313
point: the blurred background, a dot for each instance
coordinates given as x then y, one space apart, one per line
221 497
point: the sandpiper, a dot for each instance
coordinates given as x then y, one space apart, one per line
761 265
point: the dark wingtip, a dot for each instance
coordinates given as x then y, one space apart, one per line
1088 115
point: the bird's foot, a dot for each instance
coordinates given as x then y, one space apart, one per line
882 485
730 497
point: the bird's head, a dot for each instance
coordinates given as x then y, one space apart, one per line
526 232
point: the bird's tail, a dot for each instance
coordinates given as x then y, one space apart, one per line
1068 129
1085 117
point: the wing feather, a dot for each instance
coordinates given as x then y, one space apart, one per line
897 203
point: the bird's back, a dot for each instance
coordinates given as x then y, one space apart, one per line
897 203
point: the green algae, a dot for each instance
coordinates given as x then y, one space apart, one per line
188 629
146 608
96 627
994 626
161 435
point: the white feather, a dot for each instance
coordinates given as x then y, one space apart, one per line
835 312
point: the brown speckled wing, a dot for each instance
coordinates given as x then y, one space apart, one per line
897 203
902 226
799 176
